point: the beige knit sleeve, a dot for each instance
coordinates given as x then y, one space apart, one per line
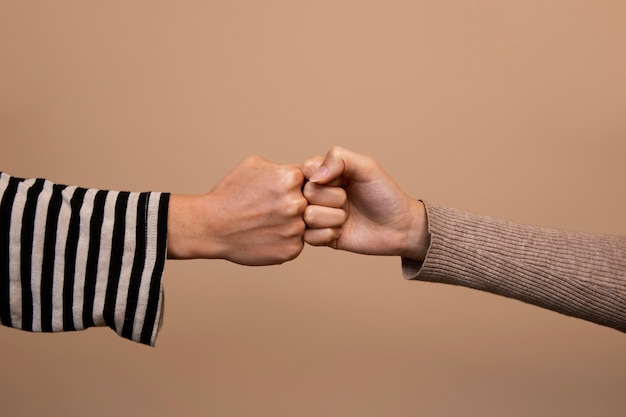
577 274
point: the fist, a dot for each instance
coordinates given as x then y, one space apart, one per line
257 213
254 216
356 206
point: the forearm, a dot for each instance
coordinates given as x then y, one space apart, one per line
576 274
188 235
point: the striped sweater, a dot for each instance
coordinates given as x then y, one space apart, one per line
73 258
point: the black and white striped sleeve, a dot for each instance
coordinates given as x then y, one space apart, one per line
73 258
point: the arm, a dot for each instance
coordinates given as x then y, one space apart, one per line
73 258
576 274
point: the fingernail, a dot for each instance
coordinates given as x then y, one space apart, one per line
319 174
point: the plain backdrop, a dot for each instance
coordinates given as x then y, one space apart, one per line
515 109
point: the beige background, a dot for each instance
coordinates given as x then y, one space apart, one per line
513 109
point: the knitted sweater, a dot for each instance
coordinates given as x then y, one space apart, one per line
577 274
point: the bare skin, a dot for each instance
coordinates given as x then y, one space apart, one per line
254 216
354 205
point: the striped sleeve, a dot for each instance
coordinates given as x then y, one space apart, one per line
73 258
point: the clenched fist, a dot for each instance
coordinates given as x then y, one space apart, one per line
254 216
355 205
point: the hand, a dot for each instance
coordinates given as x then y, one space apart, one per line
354 205
252 217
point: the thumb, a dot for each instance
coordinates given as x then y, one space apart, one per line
332 168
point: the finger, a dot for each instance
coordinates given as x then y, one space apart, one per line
319 217
325 195
310 165
322 237
331 168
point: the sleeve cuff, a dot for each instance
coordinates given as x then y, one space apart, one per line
139 305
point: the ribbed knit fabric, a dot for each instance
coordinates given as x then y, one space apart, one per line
73 258
577 274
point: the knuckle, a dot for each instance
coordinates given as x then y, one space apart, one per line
294 207
313 162
294 250
292 177
303 203
292 230
254 159
298 229
370 163
336 150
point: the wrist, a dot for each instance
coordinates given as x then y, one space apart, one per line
418 237
188 233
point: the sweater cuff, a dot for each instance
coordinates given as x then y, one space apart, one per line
129 291
459 244
139 306
411 268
